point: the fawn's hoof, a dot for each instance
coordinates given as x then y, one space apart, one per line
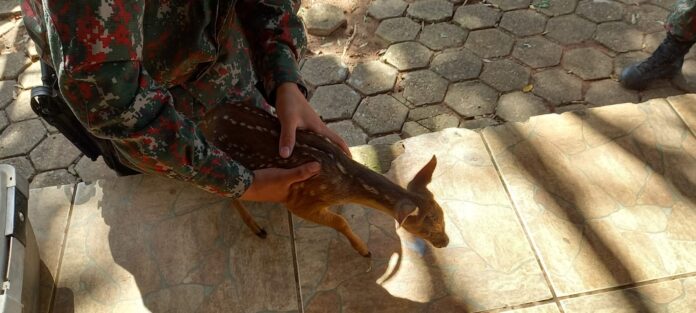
367 255
262 233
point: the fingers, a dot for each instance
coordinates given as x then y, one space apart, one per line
304 172
287 138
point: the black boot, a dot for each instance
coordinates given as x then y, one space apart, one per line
665 62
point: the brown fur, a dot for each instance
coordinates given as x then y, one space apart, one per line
250 136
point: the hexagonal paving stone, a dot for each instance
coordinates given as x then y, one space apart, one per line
408 55
335 101
505 75
607 91
519 106
9 8
53 178
662 92
4 121
384 140
559 7
353 135
324 70
54 152
20 138
619 36
588 63
440 122
625 59
471 98
667 4
537 52
423 112
600 11
557 86
22 165
442 35
397 30
489 43
20 109
633 2
412 129
7 88
91 171
424 87
569 29
457 65
31 77
380 114
381 9
476 16
652 41
12 65
687 79
479 122
322 19
647 18
523 22
430 10
507 5
372 77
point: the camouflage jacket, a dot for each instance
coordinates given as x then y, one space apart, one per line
141 73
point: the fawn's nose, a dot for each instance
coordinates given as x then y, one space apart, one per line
441 242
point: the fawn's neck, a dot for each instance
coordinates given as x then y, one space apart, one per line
375 190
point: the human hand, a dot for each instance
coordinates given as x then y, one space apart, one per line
273 184
294 112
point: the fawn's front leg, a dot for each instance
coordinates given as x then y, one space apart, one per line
248 219
321 215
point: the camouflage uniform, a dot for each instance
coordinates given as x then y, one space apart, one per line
681 22
143 75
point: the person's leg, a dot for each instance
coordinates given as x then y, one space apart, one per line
666 61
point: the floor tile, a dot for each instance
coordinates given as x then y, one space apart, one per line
49 209
141 244
674 296
488 263
685 105
608 194
544 308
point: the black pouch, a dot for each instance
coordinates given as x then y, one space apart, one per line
48 104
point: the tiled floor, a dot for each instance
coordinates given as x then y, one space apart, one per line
582 212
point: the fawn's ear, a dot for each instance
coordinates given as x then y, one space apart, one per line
404 210
424 176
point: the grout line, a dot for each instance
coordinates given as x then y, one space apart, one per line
525 229
52 300
295 263
681 118
523 306
558 300
628 286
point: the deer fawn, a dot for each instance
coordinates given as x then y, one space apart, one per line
250 136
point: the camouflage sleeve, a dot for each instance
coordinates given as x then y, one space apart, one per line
97 52
124 104
277 38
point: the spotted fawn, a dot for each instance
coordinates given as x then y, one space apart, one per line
250 136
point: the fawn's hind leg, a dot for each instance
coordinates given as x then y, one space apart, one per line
248 219
321 215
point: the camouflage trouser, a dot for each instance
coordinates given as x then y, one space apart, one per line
682 21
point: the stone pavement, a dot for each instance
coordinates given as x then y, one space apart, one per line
475 63
586 211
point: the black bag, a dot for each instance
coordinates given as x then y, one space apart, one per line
48 104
